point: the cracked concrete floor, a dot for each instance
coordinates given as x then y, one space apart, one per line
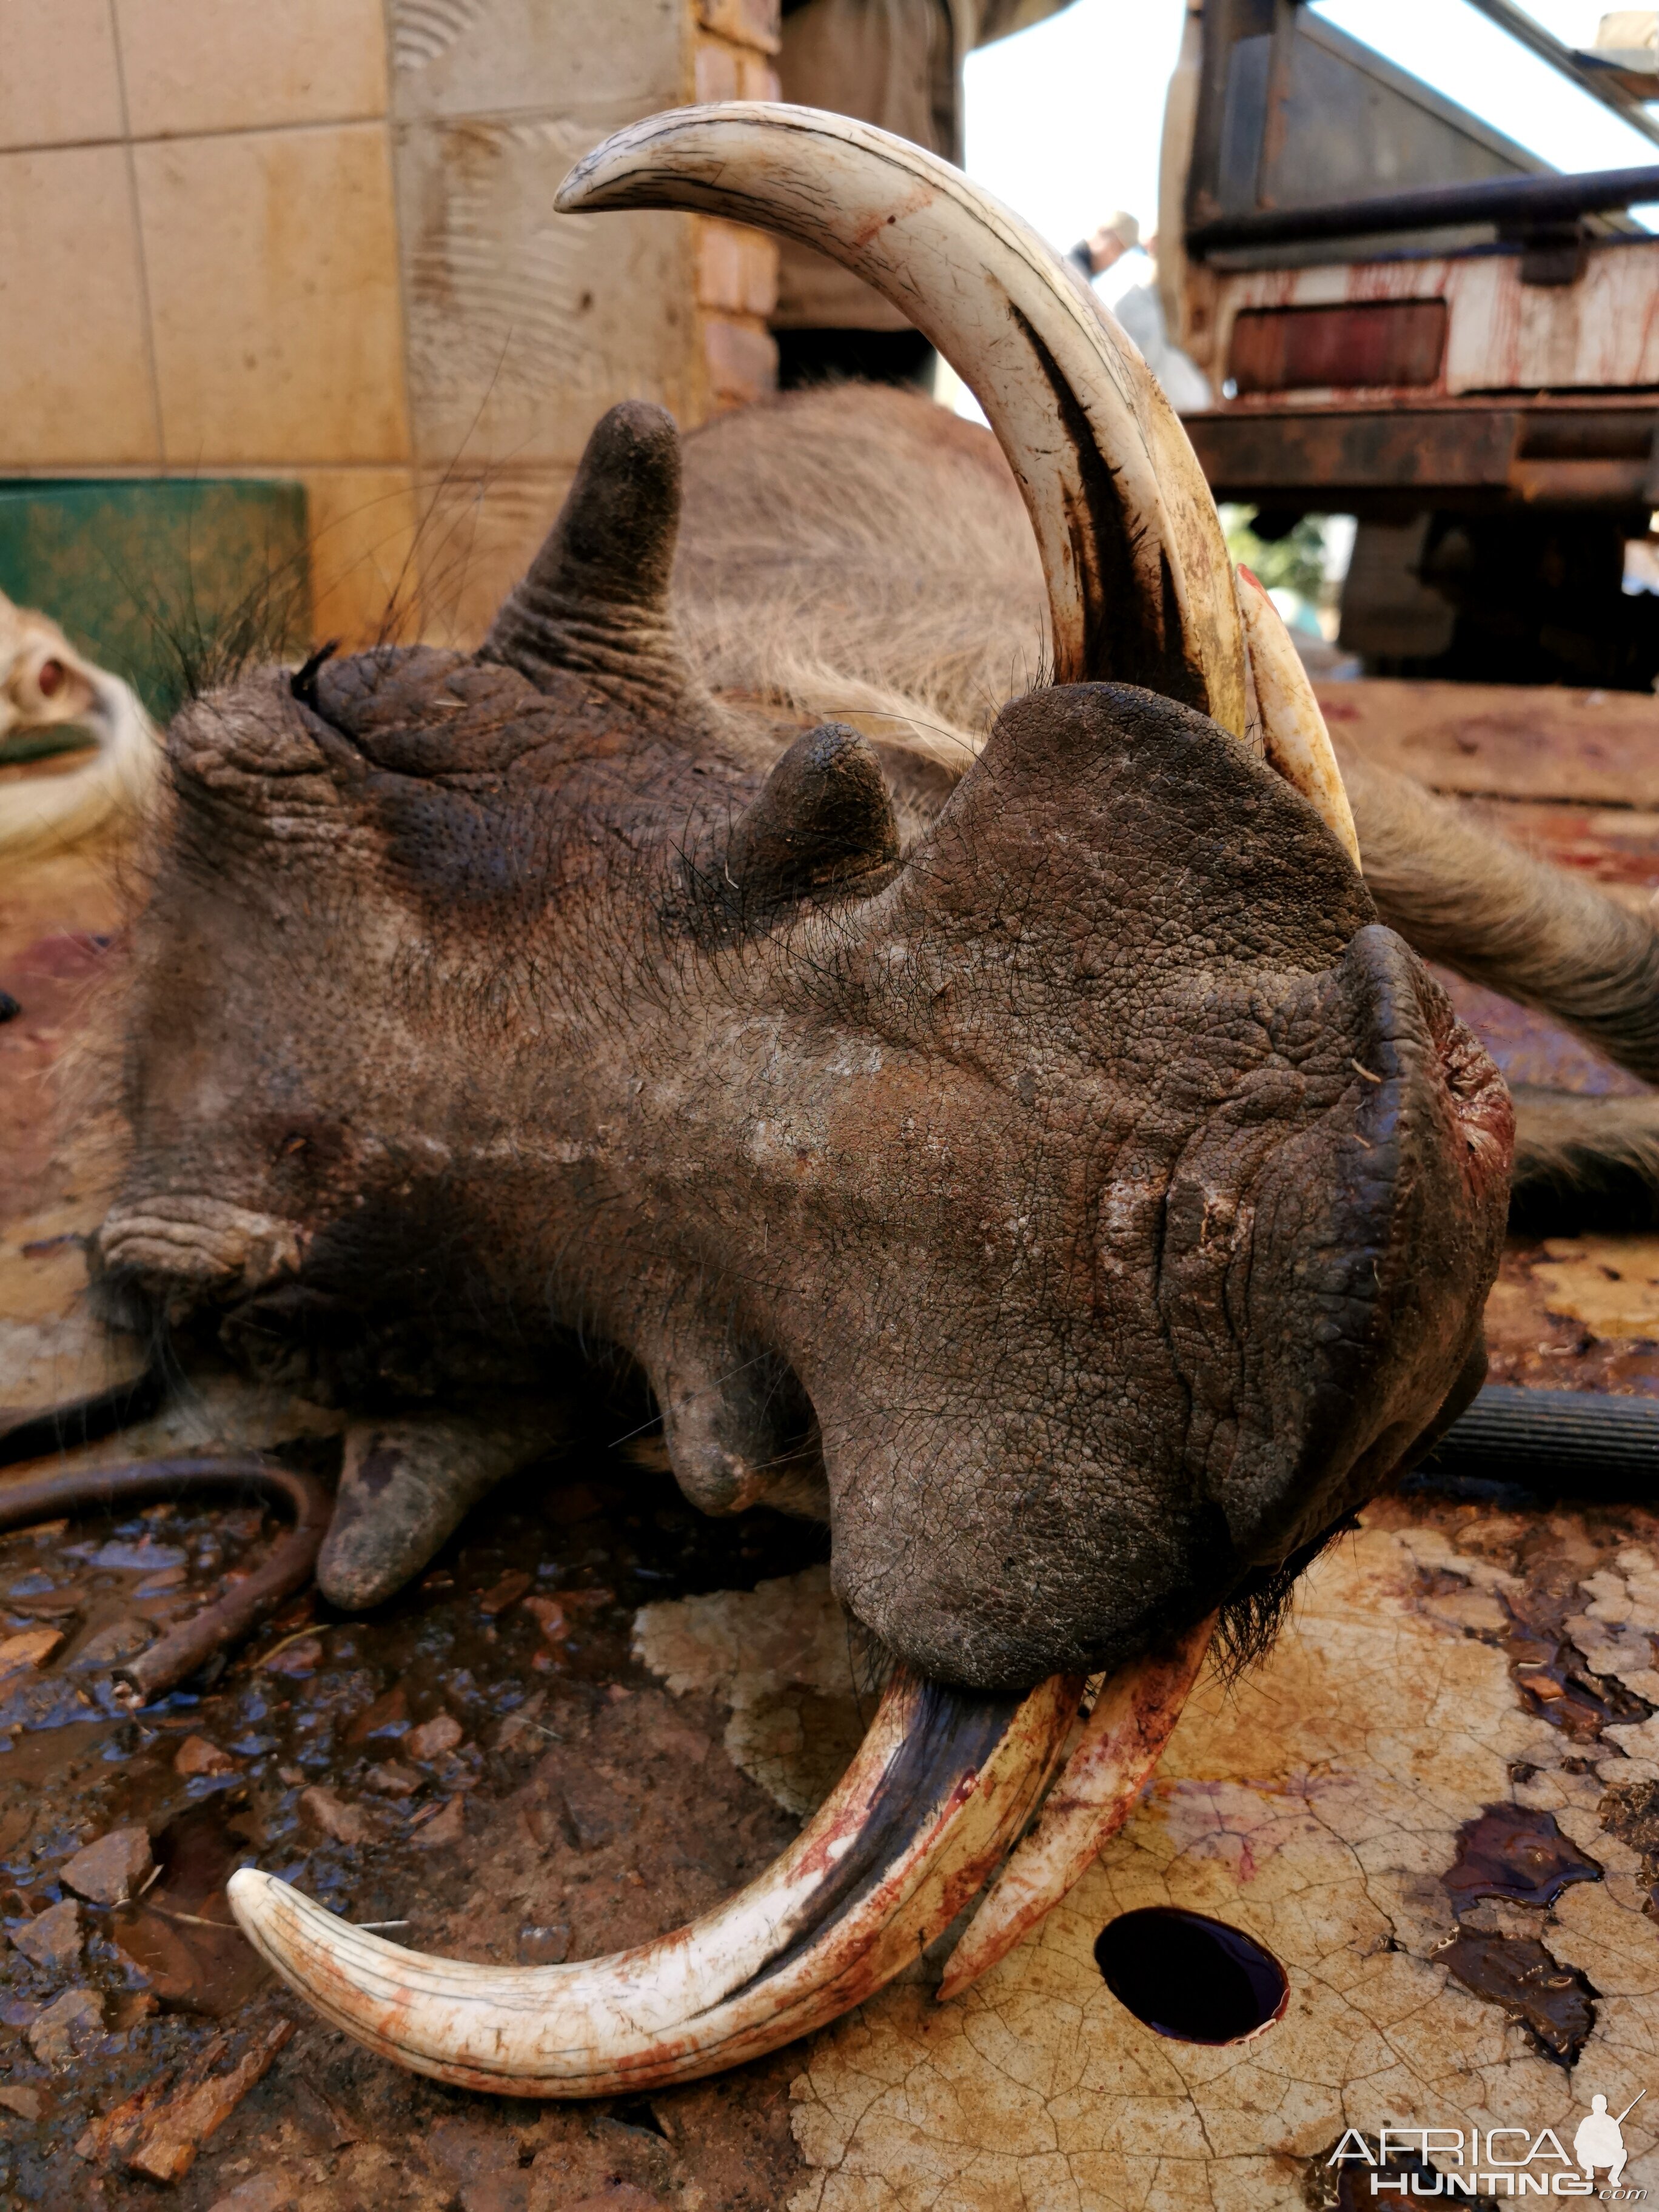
1317 1805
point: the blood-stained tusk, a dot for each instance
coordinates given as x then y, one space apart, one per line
942 1783
1139 585
1096 1792
1293 729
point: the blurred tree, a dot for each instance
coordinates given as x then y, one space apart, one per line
1291 560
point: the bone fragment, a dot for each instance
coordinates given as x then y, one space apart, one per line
45 684
1137 576
1097 1791
407 1484
942 1783
1292 725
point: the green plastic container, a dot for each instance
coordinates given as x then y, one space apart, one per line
172 582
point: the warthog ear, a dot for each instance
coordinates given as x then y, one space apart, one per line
595 601
823 817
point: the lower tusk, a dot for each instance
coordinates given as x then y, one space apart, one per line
1297 742
407 1484
1122 1743
941 1784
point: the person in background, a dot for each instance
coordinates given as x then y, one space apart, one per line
897 64
1140 311
1092 256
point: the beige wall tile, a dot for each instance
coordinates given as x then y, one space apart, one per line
75 389
492 56
478 533
246 65
273 266
524 326
57 77
364 582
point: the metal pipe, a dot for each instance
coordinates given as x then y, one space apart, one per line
1570 1443
1522 26
81 1420
1509 202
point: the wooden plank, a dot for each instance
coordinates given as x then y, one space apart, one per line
1505 741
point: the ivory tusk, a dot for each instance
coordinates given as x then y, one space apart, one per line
1139 584
1293 729
408 1483
1097 1791
940 1786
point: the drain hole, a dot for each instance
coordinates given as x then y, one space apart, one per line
1190 1978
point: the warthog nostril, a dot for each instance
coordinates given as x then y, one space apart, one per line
1190 1978
169 1240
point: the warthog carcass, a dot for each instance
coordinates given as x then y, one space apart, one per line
1044 1165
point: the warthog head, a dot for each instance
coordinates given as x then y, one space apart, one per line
1082 1193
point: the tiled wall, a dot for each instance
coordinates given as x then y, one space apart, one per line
198 258
524 326
316 237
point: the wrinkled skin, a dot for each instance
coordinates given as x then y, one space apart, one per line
1091 1202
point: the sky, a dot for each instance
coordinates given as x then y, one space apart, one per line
1063 121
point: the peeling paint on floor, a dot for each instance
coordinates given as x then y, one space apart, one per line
1317 1805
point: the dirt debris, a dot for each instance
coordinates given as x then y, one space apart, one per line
197 1756
169 2142
433 1738
70 2024
32 1649
53 1941
260 2192
108 1872
159 2132
547 1820
331 1815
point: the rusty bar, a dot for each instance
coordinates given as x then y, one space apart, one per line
1506 201
103 1489
1247 451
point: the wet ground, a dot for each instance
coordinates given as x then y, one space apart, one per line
481 1766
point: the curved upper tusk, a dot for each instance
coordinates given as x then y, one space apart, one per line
1097 1791
941 1784
1293 730
1139 585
